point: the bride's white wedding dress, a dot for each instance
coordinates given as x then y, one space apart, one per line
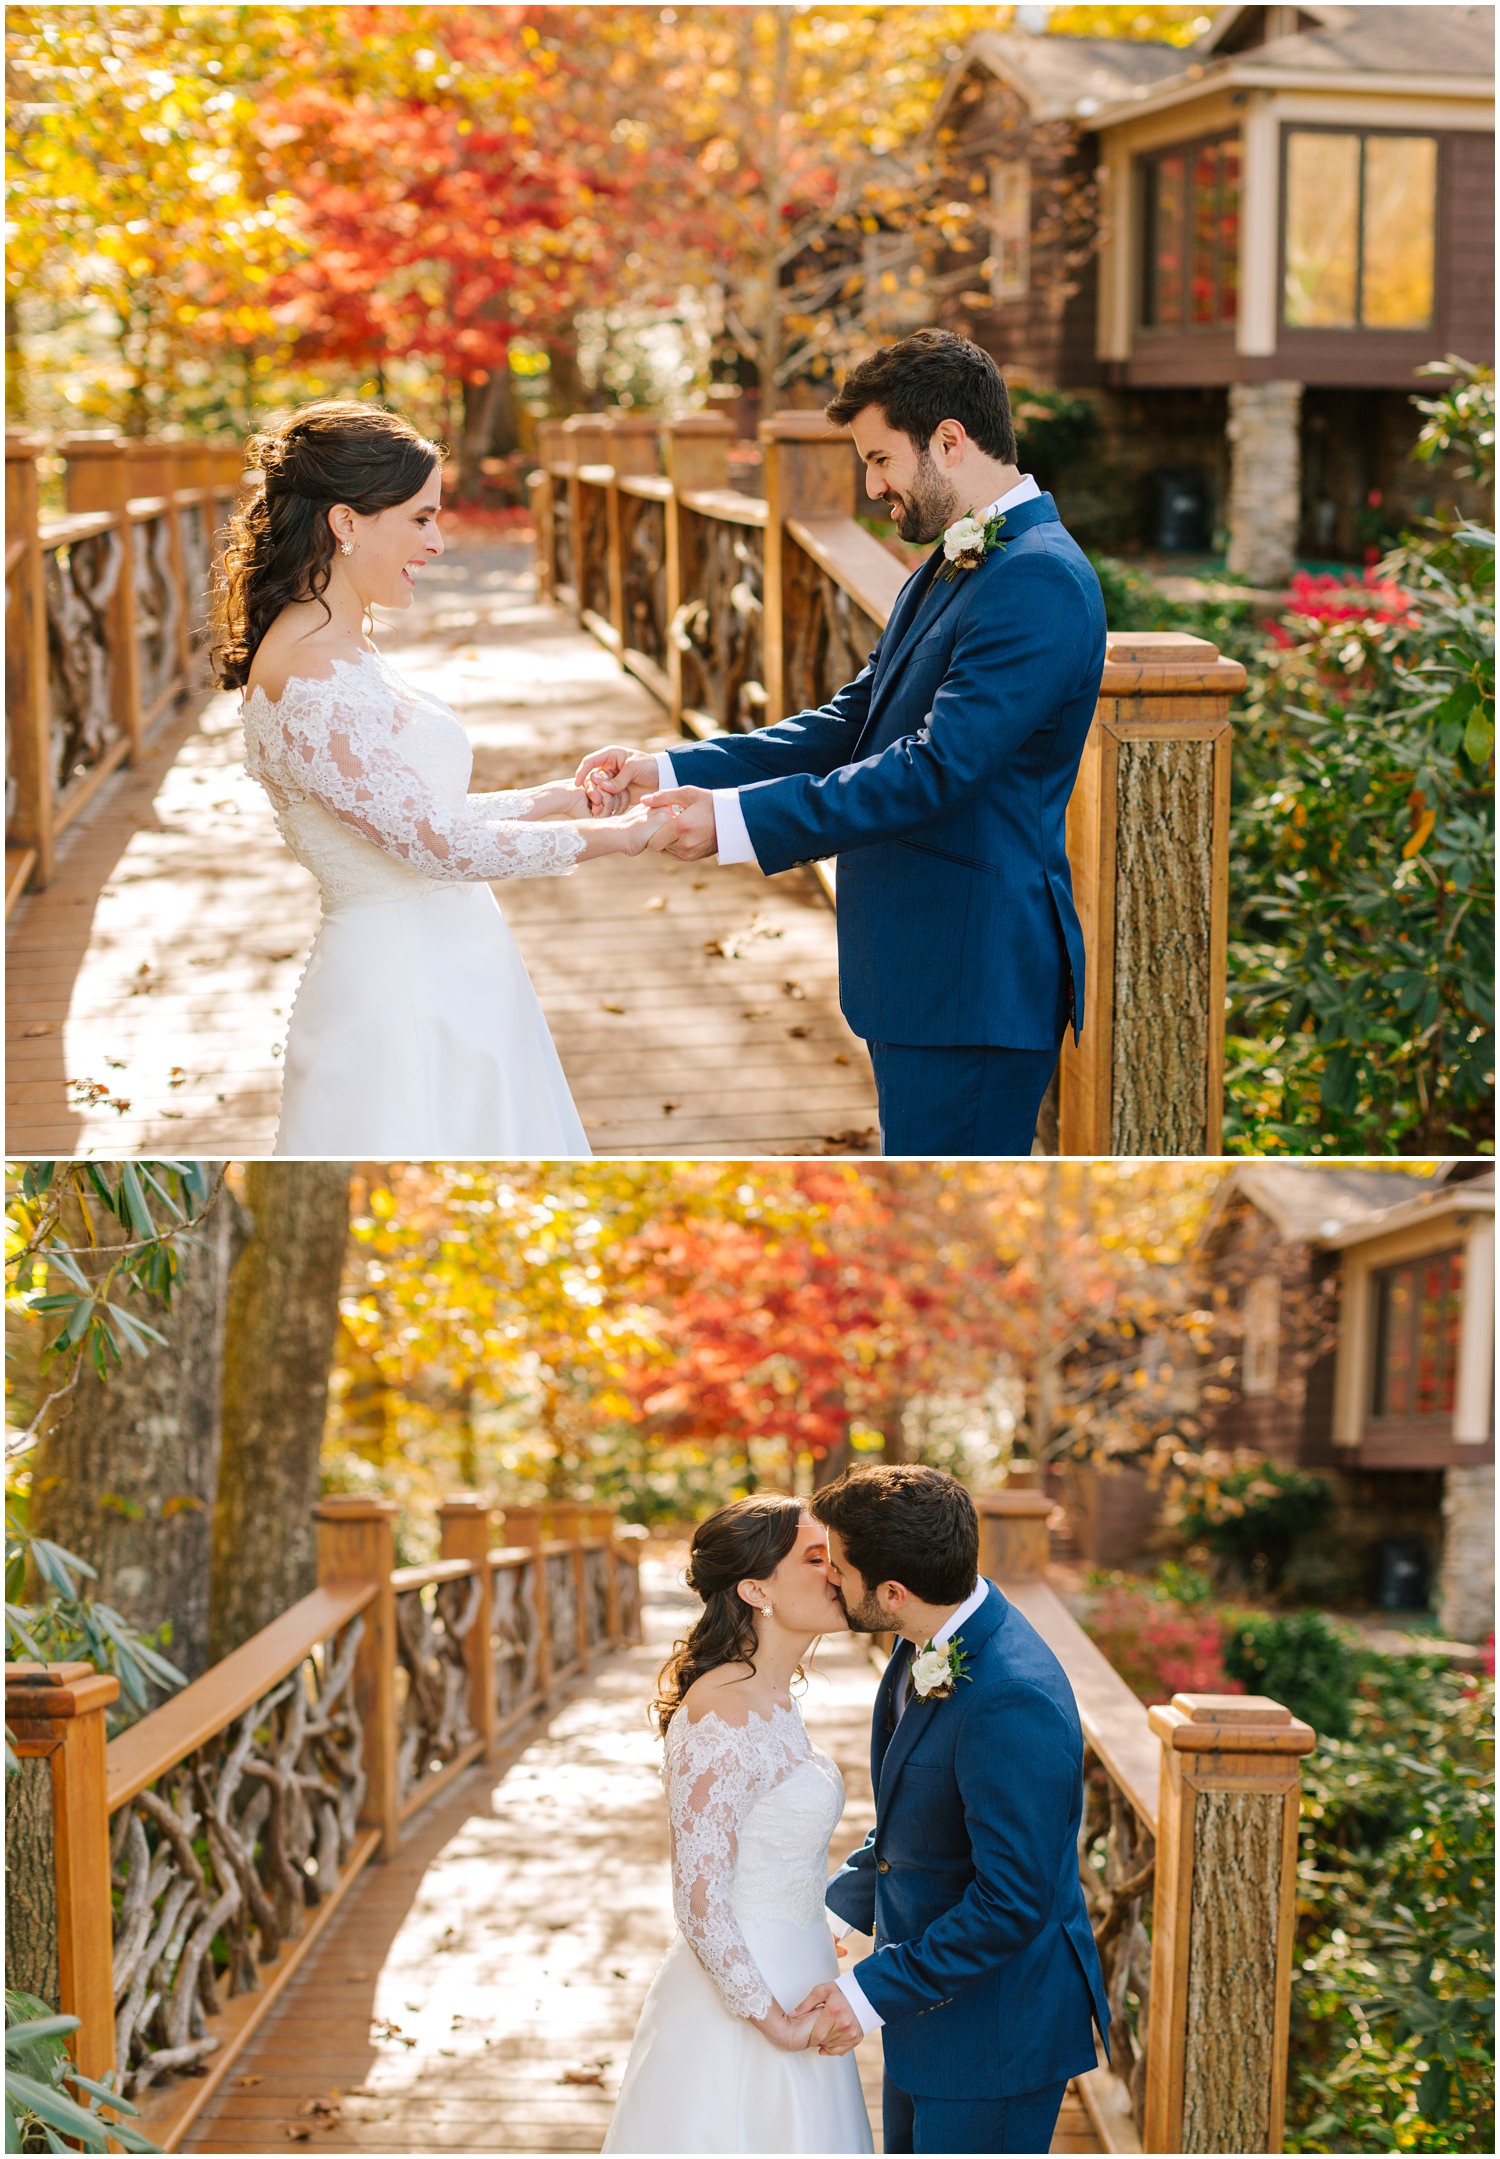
416 1031
751 1809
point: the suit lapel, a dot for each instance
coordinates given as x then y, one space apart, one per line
908 606
888 1763
883 1722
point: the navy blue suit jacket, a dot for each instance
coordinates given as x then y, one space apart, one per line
940 777
985 1969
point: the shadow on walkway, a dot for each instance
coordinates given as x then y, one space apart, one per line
695 1009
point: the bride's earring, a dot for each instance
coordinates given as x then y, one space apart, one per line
765 1611
346 547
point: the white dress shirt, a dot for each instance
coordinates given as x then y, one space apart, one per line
730 829
870 2019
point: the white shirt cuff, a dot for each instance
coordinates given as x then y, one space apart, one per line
839 1925
665 776
854 1995
730 829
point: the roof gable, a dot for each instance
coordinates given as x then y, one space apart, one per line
1310 1201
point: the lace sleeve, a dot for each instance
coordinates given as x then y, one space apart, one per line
712 1779
335 741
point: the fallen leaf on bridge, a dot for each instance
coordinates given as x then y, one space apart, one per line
584 2076
611 1008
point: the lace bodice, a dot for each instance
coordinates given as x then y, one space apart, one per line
369 775
751 1809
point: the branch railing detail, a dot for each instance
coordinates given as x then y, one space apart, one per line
186 1866
106 617
1187 1853
769 605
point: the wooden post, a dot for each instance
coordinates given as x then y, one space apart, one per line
634 447
151 469
524 1525
357 1543
28 700
1013 1541
56 1712
585 437
810 471
97 478
1148 841
568 1518
1224 1925
602 1520
695 453
464 1526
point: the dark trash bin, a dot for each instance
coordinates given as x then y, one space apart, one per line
1183 516
1403 1574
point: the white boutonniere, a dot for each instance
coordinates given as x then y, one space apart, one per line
936 1672
966 544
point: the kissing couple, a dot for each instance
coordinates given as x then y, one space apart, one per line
939 777
984 1980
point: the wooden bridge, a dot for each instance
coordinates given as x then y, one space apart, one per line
160 927
393 1875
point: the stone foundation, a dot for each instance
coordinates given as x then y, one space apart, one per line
1265 494
1466 1580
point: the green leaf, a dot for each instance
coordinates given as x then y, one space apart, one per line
1479 736
1432 2092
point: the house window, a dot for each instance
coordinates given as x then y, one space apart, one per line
1262 1334
1361 216
1192 236
1418 1319
1010 230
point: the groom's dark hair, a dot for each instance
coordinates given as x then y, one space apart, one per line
901 1522
927 378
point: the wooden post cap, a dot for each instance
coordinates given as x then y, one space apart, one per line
1166 662
19 444
1014 1503
801 427
699 423
627 420
49 1691
1230 1724
464 1503
92 442
353 1507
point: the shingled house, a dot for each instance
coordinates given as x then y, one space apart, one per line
1240 252
1355 1336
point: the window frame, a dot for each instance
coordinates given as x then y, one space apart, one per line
1260 1349
1145 283
1378 1418
1358 328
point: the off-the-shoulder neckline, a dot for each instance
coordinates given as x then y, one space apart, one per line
752 1716
275 703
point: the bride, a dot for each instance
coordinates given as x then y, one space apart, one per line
718 2064
415 1030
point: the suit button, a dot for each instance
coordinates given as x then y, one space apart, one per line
882 1866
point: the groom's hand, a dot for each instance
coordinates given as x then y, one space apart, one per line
837 2030
692 833
615 778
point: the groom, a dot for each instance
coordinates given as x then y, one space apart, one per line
939 776
984 1977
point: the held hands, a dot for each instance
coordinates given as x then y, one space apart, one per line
837 2029
812 2029
614 779
693 832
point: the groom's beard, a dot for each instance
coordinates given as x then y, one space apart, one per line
865 1617
928 508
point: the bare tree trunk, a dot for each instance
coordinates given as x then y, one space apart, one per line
283 1319
126 1473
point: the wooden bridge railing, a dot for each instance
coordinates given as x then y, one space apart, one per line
735 610
105 618
1188 1856
173 1879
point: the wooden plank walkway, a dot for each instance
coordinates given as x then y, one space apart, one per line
695 1009
479 1993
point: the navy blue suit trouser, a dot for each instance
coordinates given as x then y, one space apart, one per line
1022 2124
959 1101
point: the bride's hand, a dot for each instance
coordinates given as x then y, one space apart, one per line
791 2034
625 834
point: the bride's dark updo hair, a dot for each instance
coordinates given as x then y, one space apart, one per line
279 547
745 1541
